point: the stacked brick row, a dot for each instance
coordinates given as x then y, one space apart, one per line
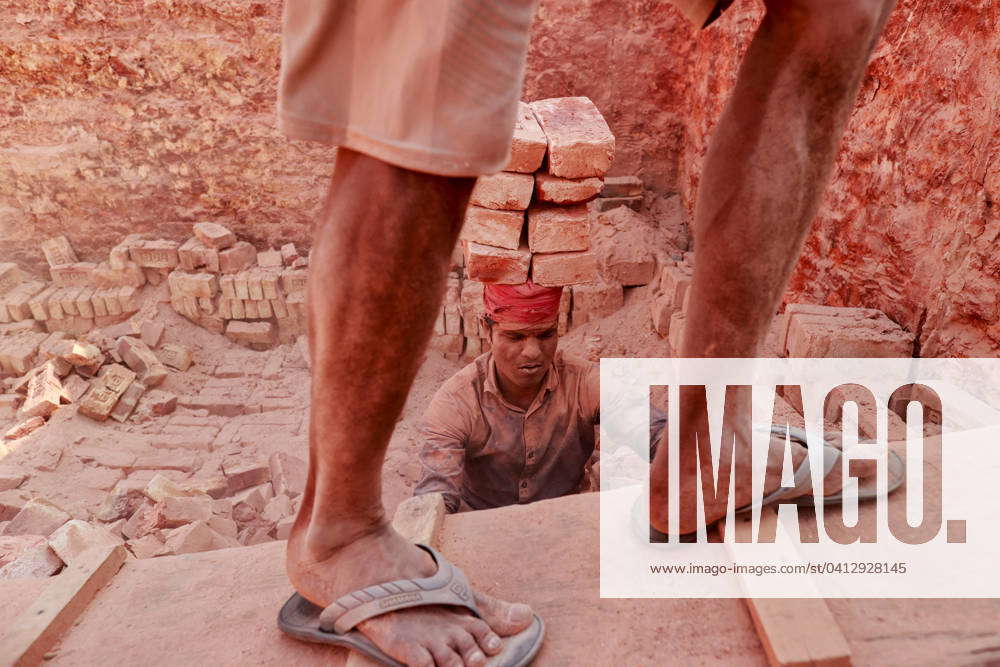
227 286
530 220
80 296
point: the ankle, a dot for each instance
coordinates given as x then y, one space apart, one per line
326 534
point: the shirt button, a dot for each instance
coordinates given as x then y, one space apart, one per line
524 485
531 455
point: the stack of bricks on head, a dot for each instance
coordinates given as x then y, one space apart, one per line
533 220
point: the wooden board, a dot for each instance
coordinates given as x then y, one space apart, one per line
39 627
797 632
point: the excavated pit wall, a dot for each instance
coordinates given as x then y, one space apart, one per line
147 116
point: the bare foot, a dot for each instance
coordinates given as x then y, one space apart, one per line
421 636
688 519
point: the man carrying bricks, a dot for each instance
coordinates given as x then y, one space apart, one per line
422 97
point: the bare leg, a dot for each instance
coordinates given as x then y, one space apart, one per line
765 173
379 265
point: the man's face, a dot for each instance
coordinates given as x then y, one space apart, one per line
524 352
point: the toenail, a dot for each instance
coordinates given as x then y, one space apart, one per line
493 643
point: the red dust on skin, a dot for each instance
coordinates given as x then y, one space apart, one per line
523 354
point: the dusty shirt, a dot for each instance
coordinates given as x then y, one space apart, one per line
482 450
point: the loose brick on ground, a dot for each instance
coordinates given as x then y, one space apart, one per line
76 537
603 204
288 474
37 517
239 257
214 235
159 254
137 356
622 186
112 381
24 428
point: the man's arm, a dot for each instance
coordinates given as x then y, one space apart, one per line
442 454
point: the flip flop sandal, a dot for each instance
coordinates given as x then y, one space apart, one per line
335 625
800 493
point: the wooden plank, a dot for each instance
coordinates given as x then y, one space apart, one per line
795 632
418 519
38 628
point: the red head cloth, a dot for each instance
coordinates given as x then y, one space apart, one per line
526 303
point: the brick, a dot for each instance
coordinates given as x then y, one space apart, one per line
119 255
111 301
24 428
137 356
622 186
44 393
628 264
449 345
10 480
846 334
675 337
239 257
269 258
99 303
67 301
159 254
566 190
241 285
238 312
37 304
269 281
528 146
83 354
11 276
264 309
505 191
580 141
112 381
214 235
501 229
674 283
564 268
151 332
242 475
131 274
36 562
155 276
497 265
288 474
194 255
37 517
662 309
472 300
126 403
19 298
250 310
594 300
74 538
54 304
58 250
192 538
84 302
558 229
254 288
160 403
294 280
74 387
175 356
603 204
12 502
226 287
289 253
250 333
180 510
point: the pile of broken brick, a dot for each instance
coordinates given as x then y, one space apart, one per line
249 504
106 378
227 286
533 220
